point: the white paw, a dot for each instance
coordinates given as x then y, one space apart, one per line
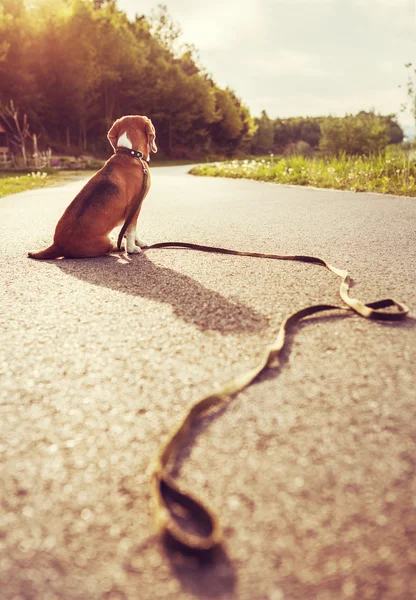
141 243
133 250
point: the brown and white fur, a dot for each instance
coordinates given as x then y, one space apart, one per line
103 203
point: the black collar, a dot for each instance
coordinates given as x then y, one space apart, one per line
133 153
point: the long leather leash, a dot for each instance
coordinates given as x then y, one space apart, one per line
191 525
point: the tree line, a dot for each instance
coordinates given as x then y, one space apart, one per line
74 66
365 133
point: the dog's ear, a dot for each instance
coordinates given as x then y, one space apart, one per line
151 136
113 134
152 142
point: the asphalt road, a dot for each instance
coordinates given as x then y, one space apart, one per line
312 469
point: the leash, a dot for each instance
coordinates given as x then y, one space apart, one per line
186 522
139 198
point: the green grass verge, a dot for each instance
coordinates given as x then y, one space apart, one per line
393 173
12 182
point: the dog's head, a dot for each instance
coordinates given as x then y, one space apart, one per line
135 132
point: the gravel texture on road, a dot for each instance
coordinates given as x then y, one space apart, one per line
312 468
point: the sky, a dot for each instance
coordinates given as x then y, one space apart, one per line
301 57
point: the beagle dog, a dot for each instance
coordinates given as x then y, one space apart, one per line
104 202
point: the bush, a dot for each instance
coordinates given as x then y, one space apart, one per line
362 134
300 148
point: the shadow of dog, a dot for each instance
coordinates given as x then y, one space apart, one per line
190 300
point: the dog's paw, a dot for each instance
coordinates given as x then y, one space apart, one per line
141 243
134 250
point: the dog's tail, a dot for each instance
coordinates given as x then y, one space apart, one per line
52 252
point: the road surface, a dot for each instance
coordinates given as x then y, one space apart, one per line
312 469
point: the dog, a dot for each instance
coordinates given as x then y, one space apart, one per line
105 201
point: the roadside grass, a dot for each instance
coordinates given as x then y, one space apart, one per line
392 173
12 182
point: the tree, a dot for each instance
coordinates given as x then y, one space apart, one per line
411 91
233 124
121 59
333 136
16 75
395 132
282 134
264 137
18 129
310 131
74 66
365 133
165 30
243 141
